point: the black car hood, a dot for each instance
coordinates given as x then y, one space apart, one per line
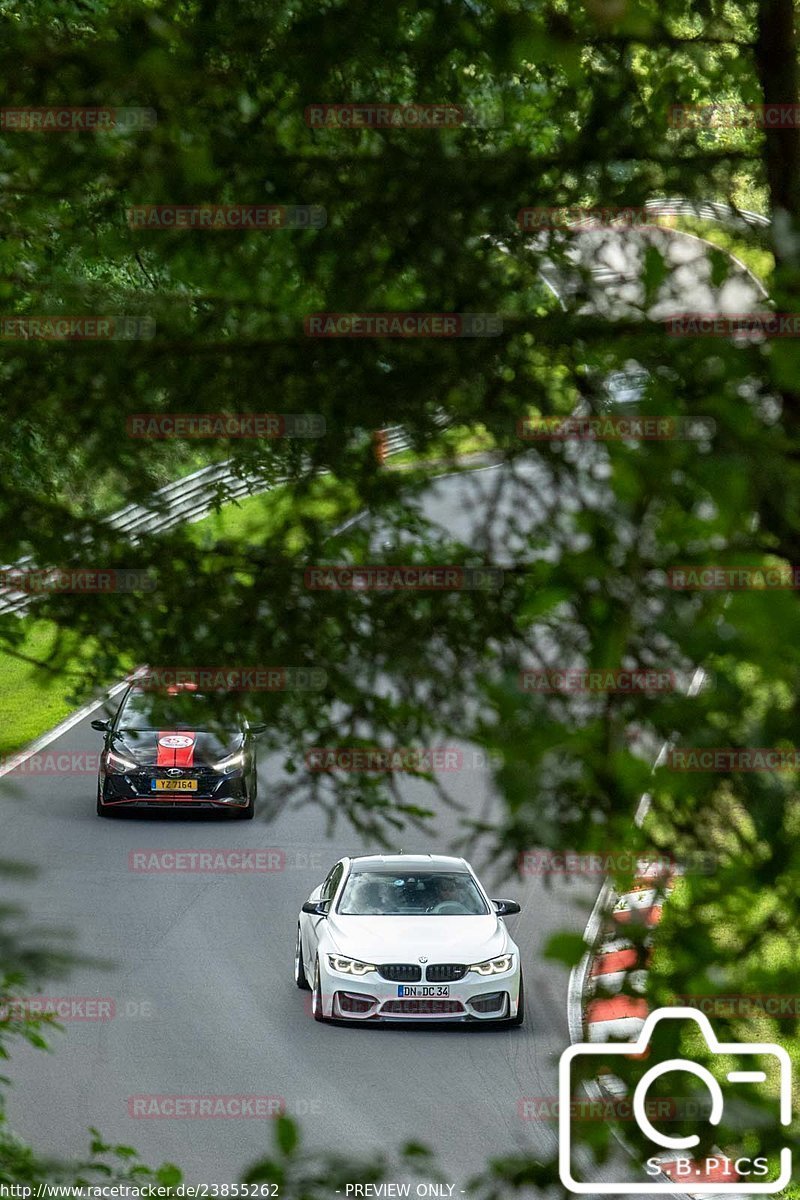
177 747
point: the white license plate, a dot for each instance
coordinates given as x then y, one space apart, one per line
427 991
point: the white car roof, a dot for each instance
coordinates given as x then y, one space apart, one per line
410 862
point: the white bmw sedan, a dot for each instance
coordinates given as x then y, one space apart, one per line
408 937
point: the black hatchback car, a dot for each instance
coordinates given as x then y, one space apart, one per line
164 750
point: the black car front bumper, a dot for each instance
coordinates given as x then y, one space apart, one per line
215 789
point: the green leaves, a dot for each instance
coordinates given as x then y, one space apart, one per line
653 274
286 1135
585 532
566 948
169 1175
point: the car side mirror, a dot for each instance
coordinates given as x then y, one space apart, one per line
101 726
505 908
255 730
316 908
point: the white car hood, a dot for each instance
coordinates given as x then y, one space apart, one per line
405 939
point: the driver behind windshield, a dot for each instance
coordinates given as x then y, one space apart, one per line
449 889
444 889
370 894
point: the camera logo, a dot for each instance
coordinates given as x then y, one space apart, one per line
664 1142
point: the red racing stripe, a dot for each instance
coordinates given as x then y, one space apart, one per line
175 749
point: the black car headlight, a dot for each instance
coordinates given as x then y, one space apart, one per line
117 764
232 762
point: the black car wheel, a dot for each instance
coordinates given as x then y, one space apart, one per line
248 812
299 967
103 810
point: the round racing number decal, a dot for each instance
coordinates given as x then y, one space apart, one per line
176 741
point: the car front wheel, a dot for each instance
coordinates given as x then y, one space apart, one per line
103 810
316 995
248 812
299 967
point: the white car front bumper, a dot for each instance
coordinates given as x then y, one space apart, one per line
372 997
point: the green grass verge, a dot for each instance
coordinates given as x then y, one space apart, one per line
256 518
34 698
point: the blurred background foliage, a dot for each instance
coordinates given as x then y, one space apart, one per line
571 103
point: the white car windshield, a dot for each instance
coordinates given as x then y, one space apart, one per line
405 894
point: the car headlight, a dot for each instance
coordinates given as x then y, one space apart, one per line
231 763
349 966
494 966
116 764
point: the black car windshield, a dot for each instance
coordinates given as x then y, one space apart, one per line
406 894
161 710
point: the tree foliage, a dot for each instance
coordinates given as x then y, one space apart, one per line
572 108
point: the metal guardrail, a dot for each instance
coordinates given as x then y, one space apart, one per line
724 214
190 499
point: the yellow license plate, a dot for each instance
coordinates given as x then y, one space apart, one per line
173 785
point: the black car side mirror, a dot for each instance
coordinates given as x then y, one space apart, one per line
316 908
255 730
101 726
505 908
